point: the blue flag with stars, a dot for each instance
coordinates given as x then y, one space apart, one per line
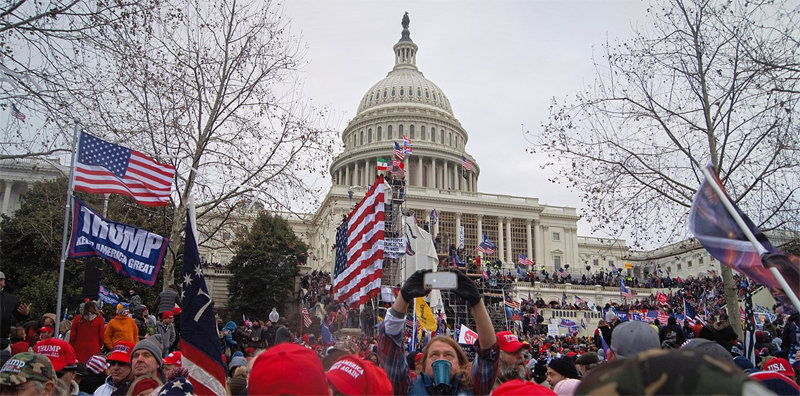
199 335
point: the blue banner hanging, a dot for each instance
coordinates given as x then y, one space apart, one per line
134 253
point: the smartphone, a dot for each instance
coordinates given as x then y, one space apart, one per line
440 280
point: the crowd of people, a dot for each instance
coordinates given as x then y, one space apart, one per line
133 352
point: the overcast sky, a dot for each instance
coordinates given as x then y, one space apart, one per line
499 62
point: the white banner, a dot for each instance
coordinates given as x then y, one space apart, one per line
394 247
461 237
467 336
552 329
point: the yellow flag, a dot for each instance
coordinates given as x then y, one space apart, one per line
425 316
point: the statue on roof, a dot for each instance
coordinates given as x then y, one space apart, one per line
405 20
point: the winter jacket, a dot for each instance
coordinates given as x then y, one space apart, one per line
166 301
8 308
87 337
167 332
121 328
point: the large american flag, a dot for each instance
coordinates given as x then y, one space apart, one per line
689 313
199 336
103 167
465 163
359 250
524 260
624 291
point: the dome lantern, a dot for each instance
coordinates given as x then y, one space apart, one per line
405 51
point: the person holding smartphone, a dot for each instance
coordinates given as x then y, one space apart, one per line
445 368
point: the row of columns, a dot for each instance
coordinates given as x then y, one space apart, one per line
442 174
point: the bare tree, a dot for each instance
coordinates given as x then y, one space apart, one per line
683 93
43 59
209 87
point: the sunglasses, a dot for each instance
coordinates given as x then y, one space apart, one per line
116 363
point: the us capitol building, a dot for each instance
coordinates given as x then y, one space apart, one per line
407 103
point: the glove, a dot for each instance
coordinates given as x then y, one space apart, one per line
466 288
414 287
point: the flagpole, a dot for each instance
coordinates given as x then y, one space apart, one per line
752 238
67 207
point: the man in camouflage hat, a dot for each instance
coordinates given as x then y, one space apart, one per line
28 373
669 372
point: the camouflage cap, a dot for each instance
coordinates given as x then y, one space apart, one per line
666 372
25 367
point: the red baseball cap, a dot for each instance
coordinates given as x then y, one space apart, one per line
167 314
287 369
508 342
520 387
176 311
779 365
173 358
19 347
46 329
60 353
121 352
352 375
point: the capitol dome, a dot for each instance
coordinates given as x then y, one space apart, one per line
405 85
405 104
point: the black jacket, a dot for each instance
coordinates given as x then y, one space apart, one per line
8 309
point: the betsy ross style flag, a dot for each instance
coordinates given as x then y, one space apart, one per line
103 167
359 250
199 336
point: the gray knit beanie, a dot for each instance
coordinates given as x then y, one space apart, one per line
151 345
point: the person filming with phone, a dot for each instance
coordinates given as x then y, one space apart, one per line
445 368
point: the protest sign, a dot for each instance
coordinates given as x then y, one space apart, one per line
134 253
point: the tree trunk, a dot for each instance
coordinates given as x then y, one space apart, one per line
178 223
732 303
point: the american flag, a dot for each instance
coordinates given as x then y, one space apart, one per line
306 317
512 304
662 317
103 167
465 163
689 313
359 250
524 260
487 246
16 113
199 336
579 300
407 146
624 291
399 154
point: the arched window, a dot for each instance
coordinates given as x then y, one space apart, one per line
419 92
411 131
361 141
450 136
380 134
369 135
433 135
441 136
389 132
401 91
400 131
426 94
384 92
422 133
393 91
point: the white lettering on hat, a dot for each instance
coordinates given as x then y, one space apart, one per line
777 366
348 367
511 338
13 366
49 350
122 348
